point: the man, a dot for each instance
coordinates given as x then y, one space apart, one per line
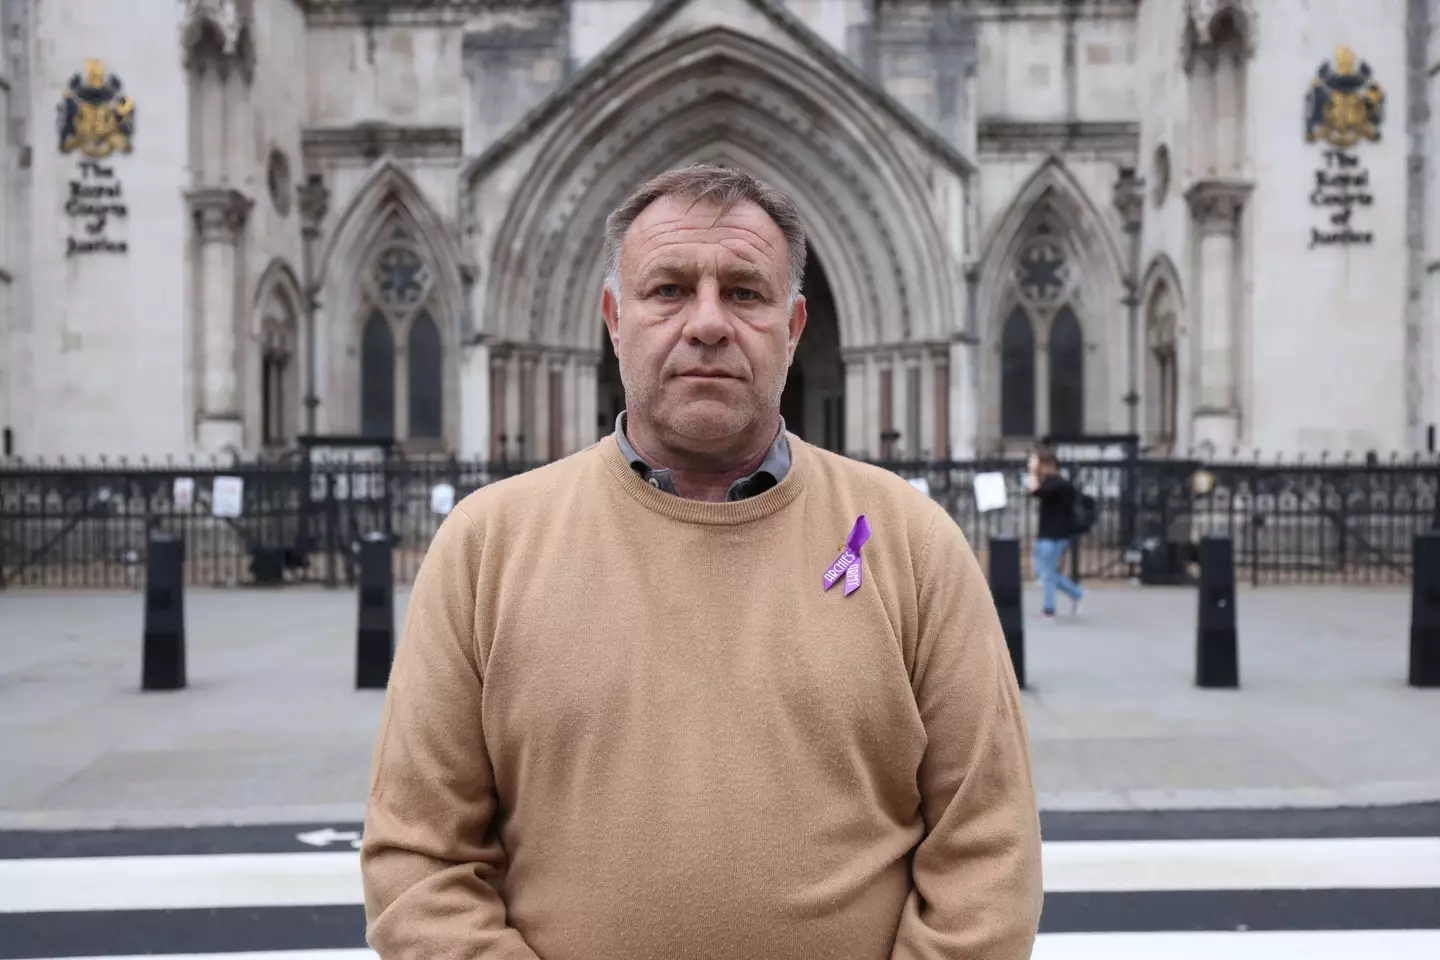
702 690
1057 510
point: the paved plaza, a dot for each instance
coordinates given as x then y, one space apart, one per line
271 729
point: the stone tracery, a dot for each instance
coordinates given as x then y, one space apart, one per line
1070 343
390 255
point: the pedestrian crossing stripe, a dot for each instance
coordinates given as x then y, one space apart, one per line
212 881
1105 901
1341 945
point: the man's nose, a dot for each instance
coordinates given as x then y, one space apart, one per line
709 321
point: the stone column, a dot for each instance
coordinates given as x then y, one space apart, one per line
587 400
899 407
529 428
511 429
1130 202
474 430
314 202
540 404
964 401
939 399
914 442
210 134
856 423
220 217
498 401
1216 207
925 445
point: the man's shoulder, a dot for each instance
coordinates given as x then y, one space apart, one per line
875 488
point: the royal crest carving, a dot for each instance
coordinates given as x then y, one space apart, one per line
1344 104
97 118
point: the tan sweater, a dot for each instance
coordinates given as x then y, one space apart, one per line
622 725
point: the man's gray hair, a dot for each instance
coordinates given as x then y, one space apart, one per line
711 185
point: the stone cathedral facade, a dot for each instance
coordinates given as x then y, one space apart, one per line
225 224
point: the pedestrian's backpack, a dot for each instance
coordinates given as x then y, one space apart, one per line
1082 513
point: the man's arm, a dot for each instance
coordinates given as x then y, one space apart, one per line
976 872
430 862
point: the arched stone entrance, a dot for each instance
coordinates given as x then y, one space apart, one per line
883 202
813 404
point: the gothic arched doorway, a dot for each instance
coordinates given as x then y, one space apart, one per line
612 392
813 404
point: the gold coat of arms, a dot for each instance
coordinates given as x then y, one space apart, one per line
96 116
1345 105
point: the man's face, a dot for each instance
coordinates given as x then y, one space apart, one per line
702 329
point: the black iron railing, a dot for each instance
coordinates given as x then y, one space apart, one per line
301 521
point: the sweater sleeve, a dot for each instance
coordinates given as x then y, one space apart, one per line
430 858
977 876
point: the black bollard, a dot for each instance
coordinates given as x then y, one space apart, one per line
1005 590
1425 612
1217 655
162 664
375 641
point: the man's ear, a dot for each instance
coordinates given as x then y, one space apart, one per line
797 326
610 310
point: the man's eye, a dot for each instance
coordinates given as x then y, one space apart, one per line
668 290
746 295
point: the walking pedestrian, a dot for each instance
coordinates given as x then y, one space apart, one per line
1057 497
702 690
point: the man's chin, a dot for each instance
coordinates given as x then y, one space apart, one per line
705 421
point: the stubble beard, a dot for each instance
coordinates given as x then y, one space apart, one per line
701 420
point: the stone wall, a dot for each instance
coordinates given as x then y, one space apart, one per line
10 235
1162 94
272 165
1325 327
109 352
514 59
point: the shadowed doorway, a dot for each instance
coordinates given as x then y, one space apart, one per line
813 403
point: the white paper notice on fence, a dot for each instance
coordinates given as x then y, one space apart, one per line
442 498
921 484
989 491
184 493
227 499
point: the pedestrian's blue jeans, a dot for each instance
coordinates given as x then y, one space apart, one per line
1048 554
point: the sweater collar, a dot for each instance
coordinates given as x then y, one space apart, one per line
728 513
770 472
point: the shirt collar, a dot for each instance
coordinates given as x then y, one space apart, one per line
770 472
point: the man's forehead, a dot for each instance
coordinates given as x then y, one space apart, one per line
674 220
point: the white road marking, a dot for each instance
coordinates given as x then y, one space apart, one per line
333 878
1338 864
1340 945
1269 945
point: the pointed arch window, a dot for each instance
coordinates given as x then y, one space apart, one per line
1042 340
402 350
279 371
377 378
1067 374
426 372
1017 376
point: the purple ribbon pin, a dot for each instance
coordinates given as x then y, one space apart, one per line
848 563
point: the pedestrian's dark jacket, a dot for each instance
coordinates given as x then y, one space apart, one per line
1057 505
